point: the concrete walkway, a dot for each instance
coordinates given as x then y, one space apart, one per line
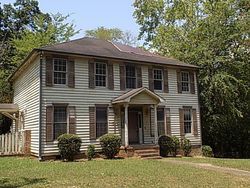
232 171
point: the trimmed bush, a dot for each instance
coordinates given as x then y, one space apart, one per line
207 151
186 146
110 144
176 145
69 145
90 152
166 145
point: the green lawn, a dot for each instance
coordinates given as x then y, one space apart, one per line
243 164
25 172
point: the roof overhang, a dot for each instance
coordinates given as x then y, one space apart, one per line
9 108
134 93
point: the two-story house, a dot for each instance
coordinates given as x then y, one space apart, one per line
91 87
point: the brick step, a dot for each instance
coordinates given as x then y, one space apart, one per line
153 157
145 155
146 151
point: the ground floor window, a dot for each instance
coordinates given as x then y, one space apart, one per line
187 120
60 121
160 121
101 121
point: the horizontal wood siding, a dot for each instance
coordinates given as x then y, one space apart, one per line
26 95
82 97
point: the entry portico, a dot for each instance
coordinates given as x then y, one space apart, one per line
137 98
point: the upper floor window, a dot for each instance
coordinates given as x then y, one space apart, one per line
187 120
158 79
60 71
100 74
185 81
60 120
130 77
101 121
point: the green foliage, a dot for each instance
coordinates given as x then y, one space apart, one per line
90 152
69 145
110 144
207 151
166 145
176 145
112 34
23 26
213 35
186 146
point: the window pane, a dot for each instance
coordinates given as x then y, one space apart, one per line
185 81
130 77
100 74
157 84
60 66
187 120
101 121
60 120
160 121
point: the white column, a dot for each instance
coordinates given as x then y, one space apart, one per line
126 125
156 127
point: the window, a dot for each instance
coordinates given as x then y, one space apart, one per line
187 121
160 121
130 77
60 120
185 81
100 74
158 79
60 71
101 121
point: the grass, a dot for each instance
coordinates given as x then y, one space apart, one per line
25 172
243 164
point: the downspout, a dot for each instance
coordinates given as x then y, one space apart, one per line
40 108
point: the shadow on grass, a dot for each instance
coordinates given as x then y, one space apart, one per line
10 183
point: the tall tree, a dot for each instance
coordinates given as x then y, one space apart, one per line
215 36
112 34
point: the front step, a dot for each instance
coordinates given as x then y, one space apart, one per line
147 152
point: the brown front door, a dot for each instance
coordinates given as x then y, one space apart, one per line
133 129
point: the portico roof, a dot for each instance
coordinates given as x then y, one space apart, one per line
8 107
143 95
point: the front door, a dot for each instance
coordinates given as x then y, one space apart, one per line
133 128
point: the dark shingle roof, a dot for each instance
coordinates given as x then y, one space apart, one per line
102 48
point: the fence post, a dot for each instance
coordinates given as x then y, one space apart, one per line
27 141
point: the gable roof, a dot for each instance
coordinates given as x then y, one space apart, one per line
126 97
92 47
103 48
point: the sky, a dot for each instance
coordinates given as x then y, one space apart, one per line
90 14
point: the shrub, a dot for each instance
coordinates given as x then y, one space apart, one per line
166 145
90 152
110 144
207 151
176 145
69 145
186 146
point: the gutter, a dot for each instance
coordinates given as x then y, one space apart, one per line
40 108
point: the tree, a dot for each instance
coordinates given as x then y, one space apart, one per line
24 27
215 36
112 34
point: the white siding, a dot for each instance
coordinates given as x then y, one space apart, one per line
26 95
82 97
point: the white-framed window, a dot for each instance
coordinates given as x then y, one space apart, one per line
158 79
185 81
187 120
130 77
101 121
160 121
60 71
60 121
100 74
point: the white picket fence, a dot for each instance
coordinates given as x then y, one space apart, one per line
12 143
